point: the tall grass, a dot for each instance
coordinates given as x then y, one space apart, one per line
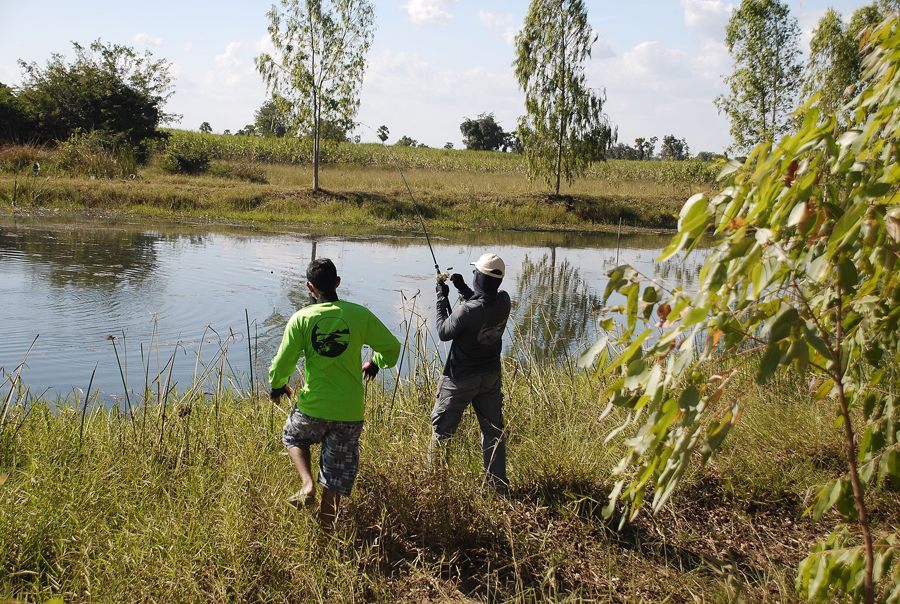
185 499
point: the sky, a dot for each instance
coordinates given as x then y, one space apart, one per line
432 63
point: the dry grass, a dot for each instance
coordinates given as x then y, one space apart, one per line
192 509
357 196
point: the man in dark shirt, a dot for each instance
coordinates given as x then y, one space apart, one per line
472 373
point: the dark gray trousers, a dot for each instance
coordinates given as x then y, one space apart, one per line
485 394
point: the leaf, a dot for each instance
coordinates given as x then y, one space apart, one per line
663 311
587 359
716 435
890 464
616 280
827 497
783 323
769 363
847 275
797 214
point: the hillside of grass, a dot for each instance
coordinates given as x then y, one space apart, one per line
183 499
254 179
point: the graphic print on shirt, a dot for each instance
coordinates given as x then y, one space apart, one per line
330 336
491 334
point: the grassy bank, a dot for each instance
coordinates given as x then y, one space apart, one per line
185 502
251 179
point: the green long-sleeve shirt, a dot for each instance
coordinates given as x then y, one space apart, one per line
330 336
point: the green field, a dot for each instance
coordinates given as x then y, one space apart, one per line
269 180
186 502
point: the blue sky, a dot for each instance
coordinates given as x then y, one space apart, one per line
433 62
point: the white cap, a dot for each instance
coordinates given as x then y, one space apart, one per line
491 265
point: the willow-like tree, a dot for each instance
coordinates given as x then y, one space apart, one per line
801 278
319 61
764 41
564 123
835 58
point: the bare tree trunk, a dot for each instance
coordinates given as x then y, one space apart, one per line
562 104
316 128
858 496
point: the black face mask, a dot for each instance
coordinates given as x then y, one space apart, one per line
484 285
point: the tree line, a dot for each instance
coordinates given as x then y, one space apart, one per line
315 74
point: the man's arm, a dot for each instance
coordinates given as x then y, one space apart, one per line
450 325
461 286
285 362
382 341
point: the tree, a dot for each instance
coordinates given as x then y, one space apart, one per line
674 148
623 151
763 39
15 124
802 276
707 156
406 141
645 147
205 128
833 64
835 59
108 88
248 130
512 143
560 109
319 61
448 145
272 118
482 134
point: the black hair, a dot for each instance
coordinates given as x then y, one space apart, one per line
322 274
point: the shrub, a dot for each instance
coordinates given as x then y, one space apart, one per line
241 171
92 154
185 157
14 158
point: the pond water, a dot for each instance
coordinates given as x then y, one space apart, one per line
171 298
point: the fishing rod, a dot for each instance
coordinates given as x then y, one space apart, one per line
383 134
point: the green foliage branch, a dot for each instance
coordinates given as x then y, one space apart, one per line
802 276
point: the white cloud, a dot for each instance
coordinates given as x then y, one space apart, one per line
230 57
429 12
403 91
709 16
494 20
143 39
502 22
653 90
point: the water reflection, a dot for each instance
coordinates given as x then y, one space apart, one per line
554 307
87 259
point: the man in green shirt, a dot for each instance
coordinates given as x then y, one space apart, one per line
330 335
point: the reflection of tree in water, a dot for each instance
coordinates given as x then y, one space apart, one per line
679 270
92 258
553 308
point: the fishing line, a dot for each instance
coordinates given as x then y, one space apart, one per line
382 133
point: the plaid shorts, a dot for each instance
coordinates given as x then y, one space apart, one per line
339 457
